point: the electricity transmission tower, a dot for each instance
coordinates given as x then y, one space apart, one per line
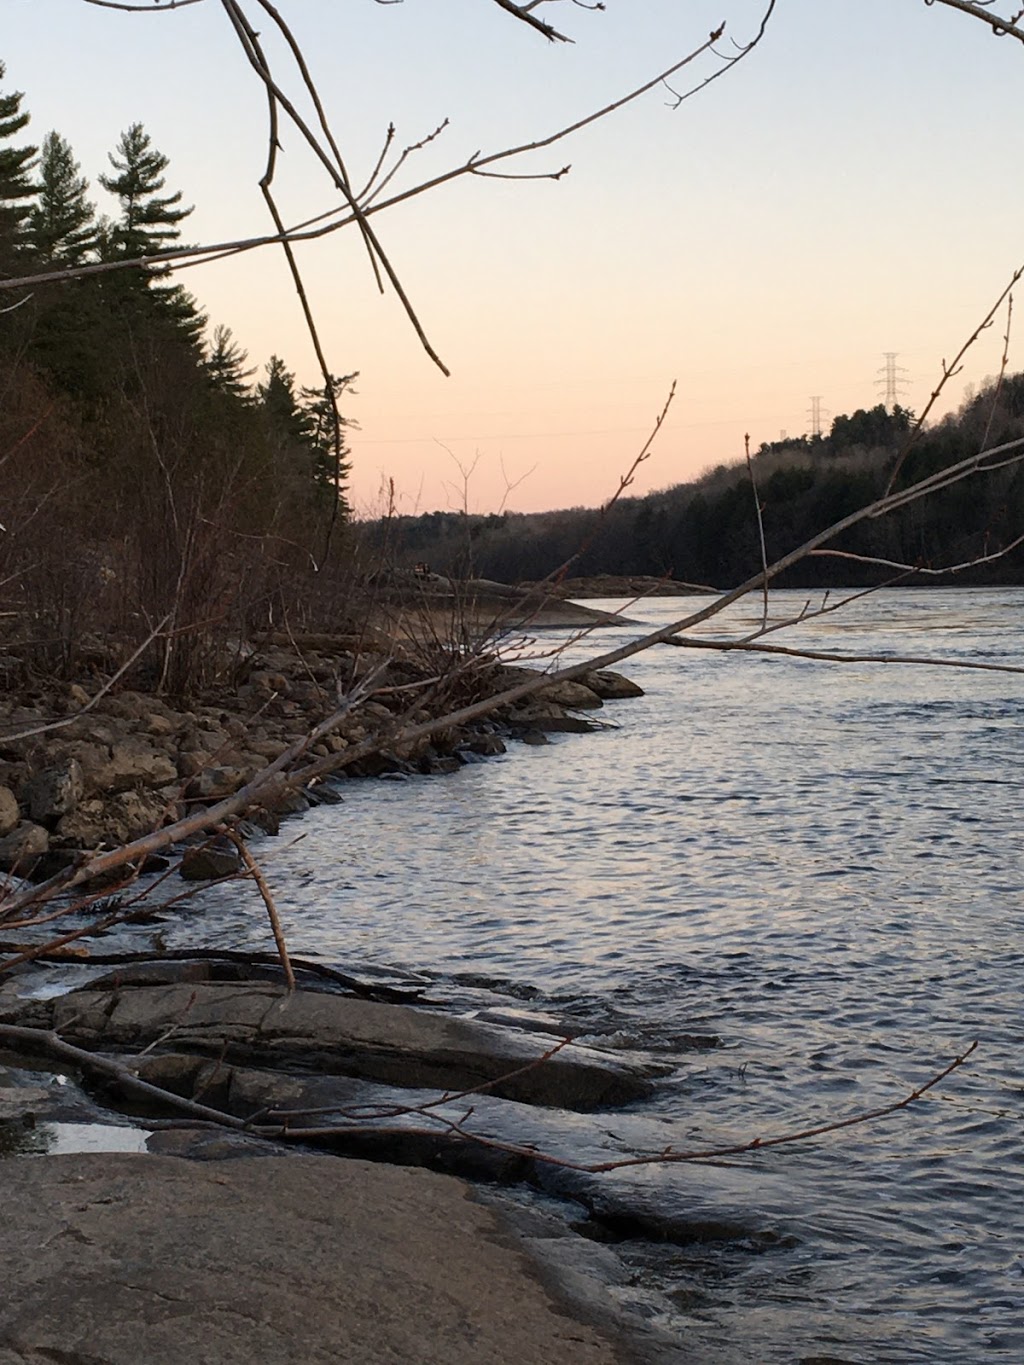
815 414
891 376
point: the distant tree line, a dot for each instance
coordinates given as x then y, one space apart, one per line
705 532
145 474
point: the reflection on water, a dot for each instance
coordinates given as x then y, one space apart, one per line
822 865
63 1139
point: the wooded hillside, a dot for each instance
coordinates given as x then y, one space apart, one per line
706 532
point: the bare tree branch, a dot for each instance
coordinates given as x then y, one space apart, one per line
978 9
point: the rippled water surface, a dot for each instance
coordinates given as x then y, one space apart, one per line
822 866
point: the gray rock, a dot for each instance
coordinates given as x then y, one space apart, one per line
54 791
135 763
9 812
298 1260
92 758
486 745
575 694
289 803
21 1101
25 842
611 686
118 820
207 864
399 1044
214 783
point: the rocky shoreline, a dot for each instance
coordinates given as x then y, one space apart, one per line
260 1105
184 1057
83 769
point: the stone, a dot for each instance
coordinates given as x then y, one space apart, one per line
214 783
116 820
24 843
54 791
135 763
9 812
398 1044
611 686
191 762
266 749
208 864
92 758
289 803
263 819
570 693
128 705
544 716
486 745
48 864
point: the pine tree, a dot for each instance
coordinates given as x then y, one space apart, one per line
61 228
16 163
289 423
330 468
224 362
148 223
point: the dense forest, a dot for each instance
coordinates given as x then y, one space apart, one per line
706 532
149 474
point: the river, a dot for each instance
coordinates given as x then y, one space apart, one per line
818 865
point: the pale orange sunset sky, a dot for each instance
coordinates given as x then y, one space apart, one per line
849 189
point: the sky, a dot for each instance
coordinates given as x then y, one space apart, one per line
849 189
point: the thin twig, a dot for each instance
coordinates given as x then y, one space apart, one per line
256 873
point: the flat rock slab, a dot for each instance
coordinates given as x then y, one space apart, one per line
399 1044
119 1259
